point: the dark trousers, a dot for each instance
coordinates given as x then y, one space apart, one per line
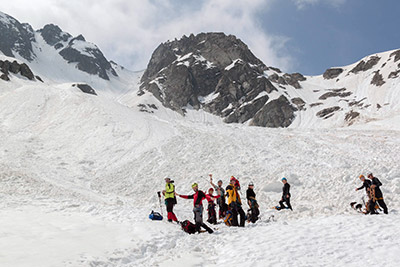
212 215
287 200
198 218
237 209
381 203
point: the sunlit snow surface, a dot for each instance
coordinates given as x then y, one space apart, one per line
79 175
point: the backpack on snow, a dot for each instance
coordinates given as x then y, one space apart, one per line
188 227
155 216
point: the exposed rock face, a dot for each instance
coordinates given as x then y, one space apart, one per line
219 74
277 113
335 93
54 36
332 73
16 37
364 66
90 60
396 55
327 112
14 67
377 79
85 88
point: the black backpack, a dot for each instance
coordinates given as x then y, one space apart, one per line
188 227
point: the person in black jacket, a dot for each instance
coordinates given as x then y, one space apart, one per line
376 194
366 184
251 200
285 195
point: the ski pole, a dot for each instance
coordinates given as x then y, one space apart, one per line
159 199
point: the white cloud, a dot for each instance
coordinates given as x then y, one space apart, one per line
128 31
304 3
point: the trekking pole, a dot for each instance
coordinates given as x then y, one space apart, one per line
159 199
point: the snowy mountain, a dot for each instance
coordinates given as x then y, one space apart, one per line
82 157
219 74
57 56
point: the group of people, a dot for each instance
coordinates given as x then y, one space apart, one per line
228 201
374 194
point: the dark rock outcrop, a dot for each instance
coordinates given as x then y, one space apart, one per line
53 35
394 74
335 93
332 73
377 79
16 68
364 66
85 88
396 55
16 37
276 113
327 112
351 116
215 72
91 60
300 103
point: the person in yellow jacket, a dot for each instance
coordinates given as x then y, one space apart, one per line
234 202
170 199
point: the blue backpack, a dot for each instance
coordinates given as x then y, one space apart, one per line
155 216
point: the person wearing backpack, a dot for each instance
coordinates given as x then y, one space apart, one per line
221 200
251 200
285 195
377 195
170 199
197 197
234 202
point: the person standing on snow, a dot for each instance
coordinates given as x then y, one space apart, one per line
251 200
366 184
234 202
221 200
170 199
285 195
377 195
212 214
197 197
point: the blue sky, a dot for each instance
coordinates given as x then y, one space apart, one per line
306 36
322 35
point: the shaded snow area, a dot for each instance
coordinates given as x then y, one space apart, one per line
79 175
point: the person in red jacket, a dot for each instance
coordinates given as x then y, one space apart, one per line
197 197
212 214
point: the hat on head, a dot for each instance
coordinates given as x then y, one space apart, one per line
361 176
219 181
251 183
167 178
283 179
194 185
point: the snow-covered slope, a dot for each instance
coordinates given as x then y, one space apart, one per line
79 175
79 172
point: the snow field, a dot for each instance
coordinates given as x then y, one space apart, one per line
79 176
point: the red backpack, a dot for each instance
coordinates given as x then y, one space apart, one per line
188 227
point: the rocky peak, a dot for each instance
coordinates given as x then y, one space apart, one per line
214 72
16 37
53 35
